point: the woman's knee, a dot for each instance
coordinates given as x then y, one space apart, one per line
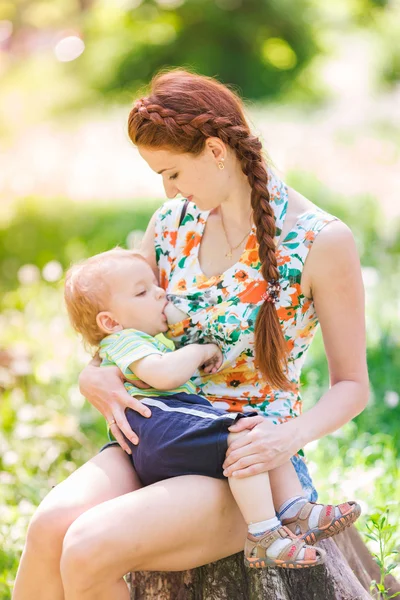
48 527
84 559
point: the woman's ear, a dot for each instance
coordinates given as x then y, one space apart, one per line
106 322
217 147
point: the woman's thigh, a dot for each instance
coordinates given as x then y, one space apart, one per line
173 525
107 475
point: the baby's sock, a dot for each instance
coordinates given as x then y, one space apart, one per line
291 507
263 527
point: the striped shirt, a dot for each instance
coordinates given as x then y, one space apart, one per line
129 345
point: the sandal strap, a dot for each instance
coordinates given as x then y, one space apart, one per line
293 547
327 516
345 508
292 550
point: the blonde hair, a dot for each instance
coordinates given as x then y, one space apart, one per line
87 292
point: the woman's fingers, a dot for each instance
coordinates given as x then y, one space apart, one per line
242 463
253 469
247 423
120 438
247 448
136 405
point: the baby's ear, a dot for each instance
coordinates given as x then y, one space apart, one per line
106 322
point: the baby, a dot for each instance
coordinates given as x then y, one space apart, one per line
114 301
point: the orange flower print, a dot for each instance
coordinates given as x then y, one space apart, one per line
290 344
252 258
309 238
306 306
253 292
286 313
163 279
281 260
202 282
181 285
251 242
297 407
241 275
178 329
294 296
303 333
173 235
192 240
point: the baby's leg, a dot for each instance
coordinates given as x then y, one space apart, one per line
312 522
268 543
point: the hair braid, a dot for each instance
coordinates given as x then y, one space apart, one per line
181 114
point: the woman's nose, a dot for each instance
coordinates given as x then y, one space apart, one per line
170 190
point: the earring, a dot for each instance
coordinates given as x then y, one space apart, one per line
221 165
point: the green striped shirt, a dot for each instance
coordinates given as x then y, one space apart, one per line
129 345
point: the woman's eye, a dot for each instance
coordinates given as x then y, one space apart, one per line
174 176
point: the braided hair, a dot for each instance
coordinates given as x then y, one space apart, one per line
181 112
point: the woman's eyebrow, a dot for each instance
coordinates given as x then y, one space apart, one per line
167 169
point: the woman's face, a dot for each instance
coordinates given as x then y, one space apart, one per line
197 178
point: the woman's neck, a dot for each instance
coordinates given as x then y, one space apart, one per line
236 208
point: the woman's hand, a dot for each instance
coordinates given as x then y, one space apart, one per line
104 389
265 447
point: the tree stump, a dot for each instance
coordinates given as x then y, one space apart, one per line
345 576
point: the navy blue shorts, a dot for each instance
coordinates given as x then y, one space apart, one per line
185 435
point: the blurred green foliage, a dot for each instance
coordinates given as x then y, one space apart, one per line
263 47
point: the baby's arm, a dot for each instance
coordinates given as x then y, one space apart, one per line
170 371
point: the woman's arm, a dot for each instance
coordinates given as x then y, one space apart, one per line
338 293
333 270
170 371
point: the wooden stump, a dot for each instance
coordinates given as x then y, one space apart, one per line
346 576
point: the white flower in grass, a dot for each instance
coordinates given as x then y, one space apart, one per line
52 271
69 48
10 458
391 398
28 274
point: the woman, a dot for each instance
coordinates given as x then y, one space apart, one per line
245 237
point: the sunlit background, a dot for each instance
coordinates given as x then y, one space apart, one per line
321 82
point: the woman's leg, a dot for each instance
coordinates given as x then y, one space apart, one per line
173 525
107 475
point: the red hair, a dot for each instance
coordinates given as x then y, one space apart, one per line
181 112
87 292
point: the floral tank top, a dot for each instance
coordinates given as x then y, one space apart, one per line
223 308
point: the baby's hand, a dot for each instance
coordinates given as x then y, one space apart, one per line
213 358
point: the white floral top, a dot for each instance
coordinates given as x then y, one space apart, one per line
223 308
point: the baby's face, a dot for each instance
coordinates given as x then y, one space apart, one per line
136 300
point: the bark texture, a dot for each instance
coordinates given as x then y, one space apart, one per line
346 575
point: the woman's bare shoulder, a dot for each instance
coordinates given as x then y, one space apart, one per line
334 252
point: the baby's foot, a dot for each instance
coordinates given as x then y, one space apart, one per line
279 547
314 522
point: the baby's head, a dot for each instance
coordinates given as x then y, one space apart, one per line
112 291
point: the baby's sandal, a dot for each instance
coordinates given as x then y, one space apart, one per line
256 551
329 523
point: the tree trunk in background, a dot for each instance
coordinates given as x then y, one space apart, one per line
345 576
